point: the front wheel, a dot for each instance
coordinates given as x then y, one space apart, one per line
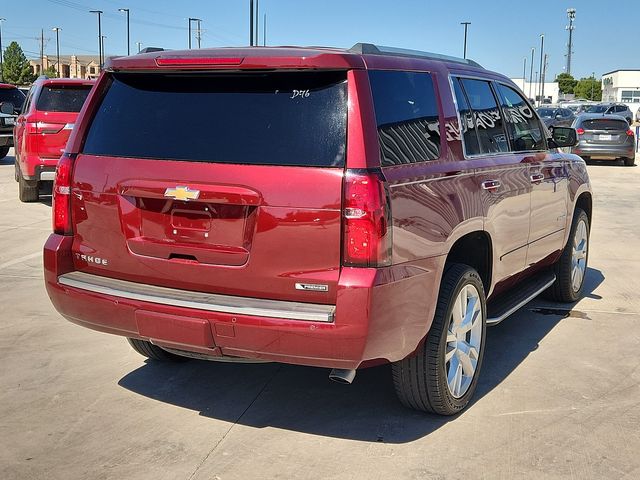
442 375
571 269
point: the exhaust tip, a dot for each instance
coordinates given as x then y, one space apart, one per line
343 376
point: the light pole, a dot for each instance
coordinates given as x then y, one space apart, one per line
1 70
251 23
466 26
99 13
57 30
139 44
198 21
571 13
533 52
524 73
593 77
264 31
541 60
102 37
126 10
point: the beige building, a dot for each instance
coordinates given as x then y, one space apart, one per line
622 86
73 66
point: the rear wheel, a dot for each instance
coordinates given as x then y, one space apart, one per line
442 375
149 350
571 269
4 151
629 162
27 189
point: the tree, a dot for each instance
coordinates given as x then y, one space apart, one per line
16 67
589 88
50 72
566 82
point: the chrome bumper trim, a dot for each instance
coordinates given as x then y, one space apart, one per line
47 176
198 300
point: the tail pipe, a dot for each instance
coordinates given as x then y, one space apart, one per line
342 375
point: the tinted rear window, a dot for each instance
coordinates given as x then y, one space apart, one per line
12 95
406 115
265 119
62 98
605 124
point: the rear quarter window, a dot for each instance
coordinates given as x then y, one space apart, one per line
290 118
62 98
407 117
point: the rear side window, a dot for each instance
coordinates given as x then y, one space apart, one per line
523 127
407 116
251 118
605 124
468 127
62 98
486 116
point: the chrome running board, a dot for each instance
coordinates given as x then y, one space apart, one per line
530 289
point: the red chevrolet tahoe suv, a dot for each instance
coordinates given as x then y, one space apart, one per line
325 207
43 128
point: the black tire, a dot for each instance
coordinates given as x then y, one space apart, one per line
153 352
629 162
16 169
420 380
4 151
27 189
587 160
563 289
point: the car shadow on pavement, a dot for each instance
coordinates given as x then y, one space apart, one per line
303 399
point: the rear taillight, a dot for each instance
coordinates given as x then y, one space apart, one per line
62 196
630 133
366 231
580 131
31 127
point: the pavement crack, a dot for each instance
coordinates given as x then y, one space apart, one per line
213 449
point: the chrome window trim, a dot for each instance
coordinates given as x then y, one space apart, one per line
234 305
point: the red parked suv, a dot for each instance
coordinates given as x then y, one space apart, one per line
42 130
325 207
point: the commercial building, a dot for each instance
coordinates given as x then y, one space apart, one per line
71 66
622 86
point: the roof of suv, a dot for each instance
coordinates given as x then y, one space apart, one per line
64 81
7 85
359 56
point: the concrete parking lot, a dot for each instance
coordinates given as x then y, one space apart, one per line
559 394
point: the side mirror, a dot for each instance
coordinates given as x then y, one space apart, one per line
7 108
563 137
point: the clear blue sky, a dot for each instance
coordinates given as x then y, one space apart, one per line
500 36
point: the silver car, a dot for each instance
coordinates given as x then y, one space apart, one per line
610 109
604 137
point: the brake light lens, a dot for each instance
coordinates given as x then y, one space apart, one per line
62 196
197 61
630 133
580 131
367 233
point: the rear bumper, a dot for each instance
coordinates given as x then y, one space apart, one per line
38 168
6 139
626 150
379 315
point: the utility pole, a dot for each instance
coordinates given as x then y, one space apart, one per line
126 10
57 30
139 44
1 71
524 73
251 23
571 13
533 51
466 26
544 76
100 42
541 60
198 32
257 22
102 37
42 51
264 31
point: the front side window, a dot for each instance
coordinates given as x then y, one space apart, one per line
523 127
406 115
487 117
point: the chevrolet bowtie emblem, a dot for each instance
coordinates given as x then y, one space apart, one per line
182 193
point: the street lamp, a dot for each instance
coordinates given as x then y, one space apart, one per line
99 13
126 10
1 70
466 26
57 30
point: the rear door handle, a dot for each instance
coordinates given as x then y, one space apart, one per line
491 185
537 177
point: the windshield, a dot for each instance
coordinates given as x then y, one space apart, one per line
12 95
261 119
595 109
546 112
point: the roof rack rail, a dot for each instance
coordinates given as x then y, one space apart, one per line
371 49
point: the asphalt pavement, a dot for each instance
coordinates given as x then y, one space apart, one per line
558 397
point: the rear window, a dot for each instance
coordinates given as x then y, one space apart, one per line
406 115
296 119
595 109
12 95
605 124
62 98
